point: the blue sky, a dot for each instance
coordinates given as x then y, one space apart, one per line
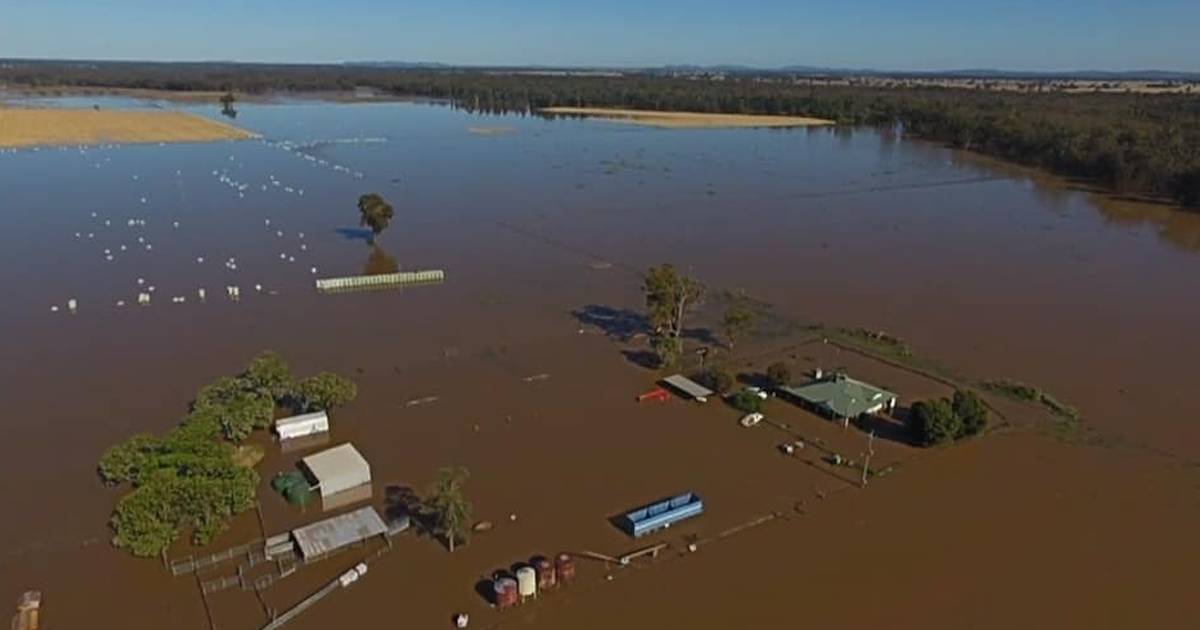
885 34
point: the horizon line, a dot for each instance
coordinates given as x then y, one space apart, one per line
744 67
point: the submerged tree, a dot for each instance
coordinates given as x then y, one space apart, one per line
227 101
669 298
779 374
326 391
375 213
269 373
447 507
738 318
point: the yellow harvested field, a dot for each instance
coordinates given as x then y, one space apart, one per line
24 127
687 120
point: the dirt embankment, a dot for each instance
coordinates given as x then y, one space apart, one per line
686 120
20 127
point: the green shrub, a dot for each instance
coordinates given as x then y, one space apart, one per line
746 402
717 379
779 374
934 422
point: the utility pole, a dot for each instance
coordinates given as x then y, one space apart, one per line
867 459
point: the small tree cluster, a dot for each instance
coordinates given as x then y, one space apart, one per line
779 374
944 420
746 402
717 379
191 477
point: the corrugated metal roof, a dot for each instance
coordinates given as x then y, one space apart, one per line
841 395
334 533
300 419
688 386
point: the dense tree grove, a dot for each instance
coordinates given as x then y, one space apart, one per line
1135 143
191 477
947 419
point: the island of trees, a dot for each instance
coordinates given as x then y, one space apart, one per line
200 474
1144 144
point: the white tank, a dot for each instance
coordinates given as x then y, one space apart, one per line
526 582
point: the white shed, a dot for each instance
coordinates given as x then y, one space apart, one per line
302 425
337 469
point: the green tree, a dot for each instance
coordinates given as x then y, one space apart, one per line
375 213
326 391
239 417
448 508
270 374
934 422
669 298
779 374
971 412
717 379
738 319
746 402
667 349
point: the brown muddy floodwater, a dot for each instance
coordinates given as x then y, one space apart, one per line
542 232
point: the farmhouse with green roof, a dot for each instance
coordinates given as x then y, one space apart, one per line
840 397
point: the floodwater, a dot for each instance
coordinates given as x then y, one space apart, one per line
992 271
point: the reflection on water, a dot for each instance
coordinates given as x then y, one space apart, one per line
1178 227
305 443
379 263
341 499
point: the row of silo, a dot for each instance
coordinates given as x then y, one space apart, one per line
540 574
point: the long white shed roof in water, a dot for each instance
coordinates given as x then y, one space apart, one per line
302 425
688 386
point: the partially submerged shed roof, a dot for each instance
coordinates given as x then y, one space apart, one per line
842 396
339 468
334 533
303 418
688 386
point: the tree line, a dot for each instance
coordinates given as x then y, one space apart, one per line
198 475
1143 144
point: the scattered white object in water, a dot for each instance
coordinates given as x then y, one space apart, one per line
72 304
122 248
278 232
143 200
141 281
201 293
120 302
53 309
291 259
314 270
258 287
175 224
148 247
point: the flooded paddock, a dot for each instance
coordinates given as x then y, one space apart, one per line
500 368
